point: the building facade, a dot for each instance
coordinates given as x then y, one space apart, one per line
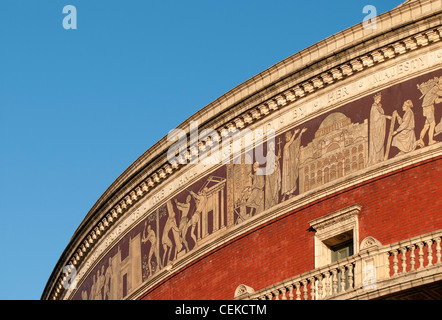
319 178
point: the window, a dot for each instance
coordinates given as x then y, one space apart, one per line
341 251
336 238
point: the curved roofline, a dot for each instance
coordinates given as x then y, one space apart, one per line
296 64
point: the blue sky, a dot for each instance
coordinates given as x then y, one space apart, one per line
77 107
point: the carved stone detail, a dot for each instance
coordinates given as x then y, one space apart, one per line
367 61
369 242
243 289
389 52
357 65
299 91
308 87
399 48
378 56
346 70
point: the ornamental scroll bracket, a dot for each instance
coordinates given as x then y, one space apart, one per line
242 289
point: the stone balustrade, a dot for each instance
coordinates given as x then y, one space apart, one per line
373 268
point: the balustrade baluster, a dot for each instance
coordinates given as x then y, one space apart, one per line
412 257
269 296
395 263
350 276
327 284
320 278
387 263
298 290
335 281
404 259
438 255
291 296
342 276
312 288
305 289
283 293
276 294
429 252
421 255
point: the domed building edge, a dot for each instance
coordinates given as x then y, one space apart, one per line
316 83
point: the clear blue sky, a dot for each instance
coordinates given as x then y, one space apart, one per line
77 107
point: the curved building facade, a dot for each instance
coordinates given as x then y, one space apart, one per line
319 178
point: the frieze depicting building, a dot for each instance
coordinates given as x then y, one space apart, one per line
339 148
352 173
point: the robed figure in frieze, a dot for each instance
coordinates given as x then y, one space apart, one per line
377 134
250 201
273 177
404 137
290 162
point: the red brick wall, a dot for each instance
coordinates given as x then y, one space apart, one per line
397 206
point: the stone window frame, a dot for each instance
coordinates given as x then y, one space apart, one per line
341 222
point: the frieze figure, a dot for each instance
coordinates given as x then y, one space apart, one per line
290 163
201 201
251 197
151 237
431 95
100 284
183 227
404 137
170 225
378 126
273 180
108 281
92 293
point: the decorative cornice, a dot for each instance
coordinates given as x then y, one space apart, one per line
340 216
251 116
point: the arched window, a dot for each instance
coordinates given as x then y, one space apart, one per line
361 161
326 175
340 169
319 178
312 180
333 172
354 163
